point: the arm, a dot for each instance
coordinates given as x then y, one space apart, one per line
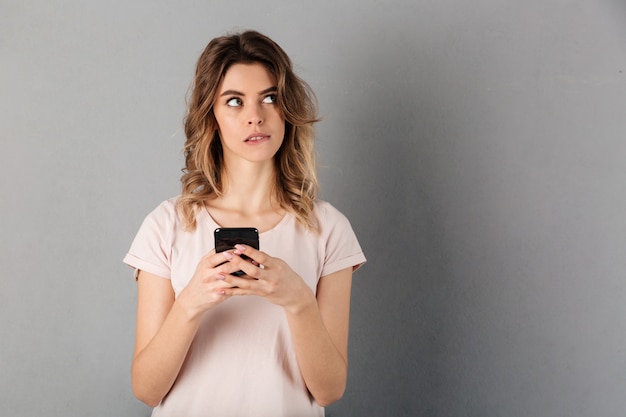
319 325
157 361
166 326
320 334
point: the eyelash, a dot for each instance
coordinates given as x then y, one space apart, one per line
239 102
272 97
228 102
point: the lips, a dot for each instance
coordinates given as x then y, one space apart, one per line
257 136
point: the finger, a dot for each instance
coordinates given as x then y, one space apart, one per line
207 256
240 285
218 258
236 291
221 262
247 266
227 268
241 281
213 259
222 283
217 279
254 254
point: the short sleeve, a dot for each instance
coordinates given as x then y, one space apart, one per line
151 250
341 247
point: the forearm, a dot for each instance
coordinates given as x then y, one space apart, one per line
157 365
323 367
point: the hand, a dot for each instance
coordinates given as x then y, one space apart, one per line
267 277
207 286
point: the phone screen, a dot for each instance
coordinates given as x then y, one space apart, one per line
227 237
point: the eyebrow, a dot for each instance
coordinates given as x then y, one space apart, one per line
272 89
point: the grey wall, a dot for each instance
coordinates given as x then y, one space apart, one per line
478 148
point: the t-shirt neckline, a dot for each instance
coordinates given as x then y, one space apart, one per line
215 225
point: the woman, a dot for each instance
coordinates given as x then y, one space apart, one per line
203 345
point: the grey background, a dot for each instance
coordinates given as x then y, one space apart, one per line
477 147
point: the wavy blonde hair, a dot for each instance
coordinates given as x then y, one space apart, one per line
296 184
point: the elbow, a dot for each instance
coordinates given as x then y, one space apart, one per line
332 389
328 397
147 401
143 392
145 396
327 400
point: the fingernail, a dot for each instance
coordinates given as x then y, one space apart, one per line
228 255
220 276
240 247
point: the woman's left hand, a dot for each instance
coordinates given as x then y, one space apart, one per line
267 277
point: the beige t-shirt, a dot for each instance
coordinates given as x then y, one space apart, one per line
242 361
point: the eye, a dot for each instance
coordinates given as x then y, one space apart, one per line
269 99
234 102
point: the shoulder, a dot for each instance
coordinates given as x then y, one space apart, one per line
165 214
167 208
329 217
324 209
340 245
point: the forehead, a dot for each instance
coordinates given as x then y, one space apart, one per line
252 78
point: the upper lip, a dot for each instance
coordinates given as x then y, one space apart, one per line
257 135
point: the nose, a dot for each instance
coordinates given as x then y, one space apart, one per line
255 120
255 117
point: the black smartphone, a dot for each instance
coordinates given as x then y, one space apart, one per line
227 237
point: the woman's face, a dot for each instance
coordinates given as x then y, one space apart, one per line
250 122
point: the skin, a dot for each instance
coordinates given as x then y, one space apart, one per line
318 322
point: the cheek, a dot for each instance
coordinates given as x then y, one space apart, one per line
280 123
226 127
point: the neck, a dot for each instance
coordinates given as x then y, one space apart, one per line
248 187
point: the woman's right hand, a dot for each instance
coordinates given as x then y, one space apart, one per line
205 288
